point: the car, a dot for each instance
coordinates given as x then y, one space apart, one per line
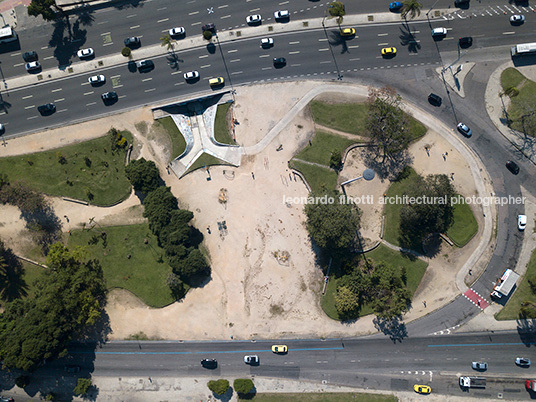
133 41
462 128
512 167
214 82
6 399
435 99
253 19
517 19
71 369
479 366
32 66
459 3
388 51
208 27
97 79
209 363
281 15
144 65
397 5
422 389
30 56
465 41
439 32
279 349
85 53
280 61
523 361
191 75
109 97
252 359
267 42
347 32
521 222
47 108
2 129
177 31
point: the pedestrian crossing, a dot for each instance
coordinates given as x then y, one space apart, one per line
489 11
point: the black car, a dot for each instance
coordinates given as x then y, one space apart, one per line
465 41
512 167
133 41
435 99
30 56
209 363
47 108
208 27
461 3
280 61
71 369
144 65
109 97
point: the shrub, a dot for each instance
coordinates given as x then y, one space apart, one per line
219 387
207 35
61 159
511 91
243 385
87 161
126 51
82 386
22 381
335 161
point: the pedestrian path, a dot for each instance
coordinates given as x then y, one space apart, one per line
474 297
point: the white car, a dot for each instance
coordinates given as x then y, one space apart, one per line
97 79
521 222
2 128
191 75
480 366
281 14
176 31
33 65
83 53
267 42
523 361
252 359
439 31
517 19
253 19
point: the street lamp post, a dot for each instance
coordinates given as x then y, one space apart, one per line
339 75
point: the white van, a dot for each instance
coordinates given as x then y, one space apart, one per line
439 32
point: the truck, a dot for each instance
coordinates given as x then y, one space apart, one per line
530 385
505 284
472 382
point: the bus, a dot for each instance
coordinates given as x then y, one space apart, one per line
524 49
7 35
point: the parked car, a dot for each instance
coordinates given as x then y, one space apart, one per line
144 65
267 42
2 129
422 389
282 15
178 31
439 32
208 27
191 75
347 32
251 359
481 366
47 108
215 82
253 19
460 3
133 41
435 100
521 222
6 399
30 56
32 66
71 369
462 128
397 5
523 361
517 19
512 167
85 53
109 97
279 349
388 51
465 41
280 61
209 363
97 79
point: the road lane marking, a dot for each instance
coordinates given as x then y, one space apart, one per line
48 58
353 47
89 93
296 52
255 9
225 16
150 90
323 50
32 117
131 15
161 9
232 51
383 44
203 56
234 61
322 40
29 107
508 33
383 34
91 103
59 100
205 66
266 68
176 72
163 20
179 83
18 64
146 79
194 13
356 59
27 97
294 43
264 55
237 72
134 27
57 90
325 62
61 110
224 6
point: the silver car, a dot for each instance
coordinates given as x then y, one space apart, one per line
251 359
523 361
517 19
267 42
253 19
83 53
191 75
97 79
176 31
34 65
480 366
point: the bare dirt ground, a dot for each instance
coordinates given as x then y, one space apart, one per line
252 292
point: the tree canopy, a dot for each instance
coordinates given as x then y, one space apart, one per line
159 205
411 7
337 9
243 385
219 387
46 8
143 175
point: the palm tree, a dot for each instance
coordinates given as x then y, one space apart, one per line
411 7
167 41
336 9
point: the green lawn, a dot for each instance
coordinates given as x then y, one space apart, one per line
464 226
30 275
178 142
222 133
324 397
319 178
415 269
141 274
511 77
522 293
518 106
322 145
103 174
206 160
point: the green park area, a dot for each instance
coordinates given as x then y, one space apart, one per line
178 143
323 397
522 93
131 259
414 270
89 171
206 160
222 134
22 284
525 293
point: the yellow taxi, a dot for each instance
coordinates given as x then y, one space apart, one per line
213 82
279 349
422 389
388 51
347 32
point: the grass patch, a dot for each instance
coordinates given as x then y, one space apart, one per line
318 177
206 160
222 133
416 128
142 273
178 142
522 293
328 299
347 117
102 174
464 226
30 276
322 145
324 397
511 77
518 107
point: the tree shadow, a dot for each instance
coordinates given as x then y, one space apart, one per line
388 166
335 39
225 397
526 328
394 328
12 284
250 395
86 17
66 47
407 38
173 61
211 48
44 225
